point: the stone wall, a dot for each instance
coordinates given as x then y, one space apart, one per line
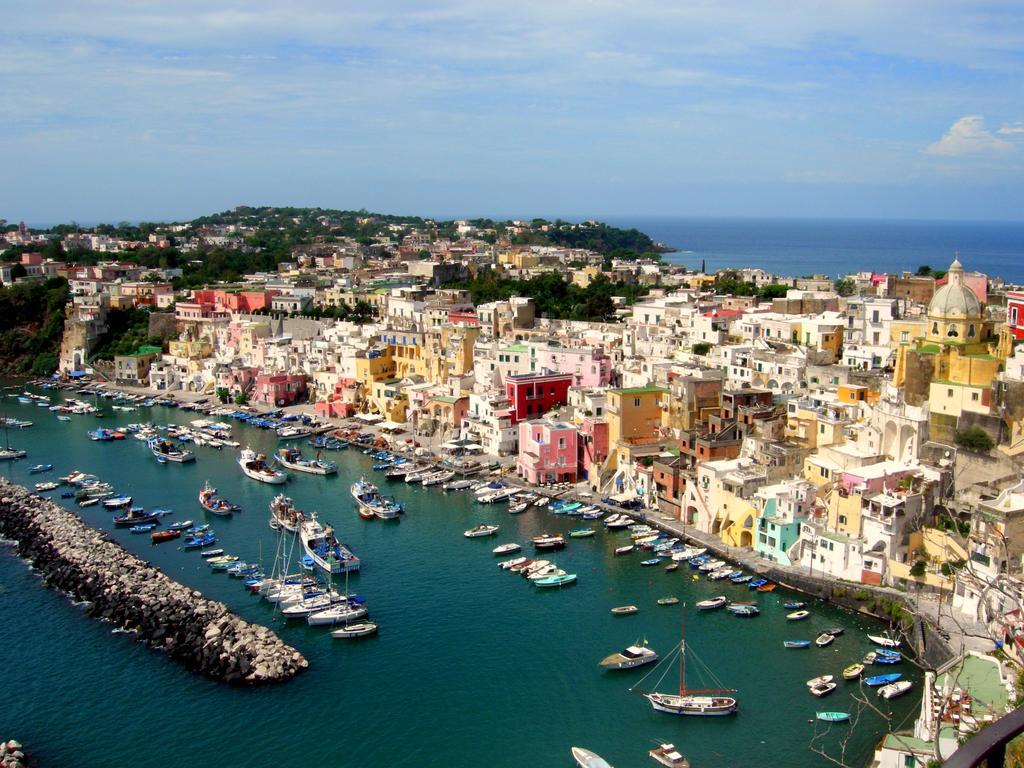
163 325
119 588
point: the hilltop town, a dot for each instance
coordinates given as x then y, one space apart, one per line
865 430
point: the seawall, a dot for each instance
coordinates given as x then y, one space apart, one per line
133 595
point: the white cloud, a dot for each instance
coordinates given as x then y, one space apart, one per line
1012 129
968 136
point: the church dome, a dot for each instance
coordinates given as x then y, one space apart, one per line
955 299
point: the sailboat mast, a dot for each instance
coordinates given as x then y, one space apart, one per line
682 654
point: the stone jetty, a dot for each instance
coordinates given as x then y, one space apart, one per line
135 596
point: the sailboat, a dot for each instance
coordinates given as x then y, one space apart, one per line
704 703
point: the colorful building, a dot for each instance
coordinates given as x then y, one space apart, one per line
533 395
280 389
547 452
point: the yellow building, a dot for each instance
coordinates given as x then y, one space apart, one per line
635 415
449 352
388 399
954 364
407 351
190 349
376 365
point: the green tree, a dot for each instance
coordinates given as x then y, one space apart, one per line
917 570
974 439
241 399
18 271
223 394
702 348
845 286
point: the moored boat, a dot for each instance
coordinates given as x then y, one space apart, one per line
833 717
885 641
668 755
586 759
796 643
853 671
548 541
356 630
892 690
670 600
797 615
824 639
506 549
254 465
555 580
168 535
481 530
712 603
879 680
624 610
292 458
822 689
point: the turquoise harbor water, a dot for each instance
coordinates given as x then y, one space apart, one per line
472 665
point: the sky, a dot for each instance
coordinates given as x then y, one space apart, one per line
167 109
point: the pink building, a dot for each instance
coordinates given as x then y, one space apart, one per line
547 452
279 389
593 444
589 367
232 301
342 402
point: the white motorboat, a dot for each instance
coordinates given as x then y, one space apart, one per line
629 658
797 615
356 630
507 564
506 549
292 458
293 433
822 689
481 530
437 478
420 475
712 603
254 465
892 690
824 639
456 485
586 759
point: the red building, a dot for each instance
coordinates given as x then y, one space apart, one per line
280 389
242 301
1015 313
531 395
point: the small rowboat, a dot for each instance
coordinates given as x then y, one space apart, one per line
796 643
882 679
766 588
164 536
824 639
586 759
822 689
885 641
624 550
650 562
821 680
624 610
581 533
893 690
356 630
793 605
853 671
142 528
671 567
555 580
671 600
797 615
833 717
211 553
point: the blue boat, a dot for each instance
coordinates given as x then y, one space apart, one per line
879 659
142 528
196 542
757 583
743 579
40 468
796 643
68 495
878 680
652 561
888 652
793 605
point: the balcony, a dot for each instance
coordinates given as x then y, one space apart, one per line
988 747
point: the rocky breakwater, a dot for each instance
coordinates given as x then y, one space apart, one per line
11 754
119 588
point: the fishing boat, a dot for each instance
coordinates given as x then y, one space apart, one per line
131 518
668 755
581 533
168 535
819 680
168 451
548 541
208 553
670 600
878 680
624 610
833 717
371 504
793 605
292 458
822 689
555 580
797 615
10 454
796 643
180 527
437 478
116 502
88 502
702 703
623 550
892 690
211 502
712 603
885 641
481 530
43 487
142 528
326 551
199 541
824 639
506 549
883 659
853 671
356 630
586 759
254 465
38 468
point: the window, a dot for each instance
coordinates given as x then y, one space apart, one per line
868 564
975 396
561 442
636 402
949 393
842 519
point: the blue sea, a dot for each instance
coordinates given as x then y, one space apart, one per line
472 666
797 247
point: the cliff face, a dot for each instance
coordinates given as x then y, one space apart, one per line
31 325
